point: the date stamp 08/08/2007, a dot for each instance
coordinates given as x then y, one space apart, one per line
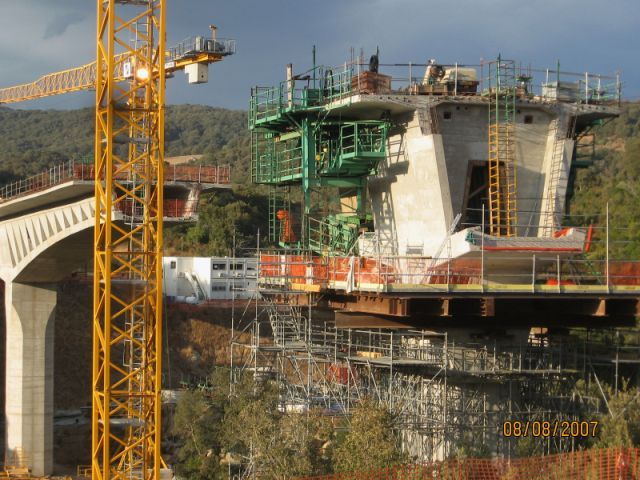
556 428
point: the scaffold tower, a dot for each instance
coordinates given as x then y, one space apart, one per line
446 395
297 141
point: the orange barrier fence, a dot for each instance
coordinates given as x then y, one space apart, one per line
198 173
172 208
594 464
178 208
173 173
316 270
338 271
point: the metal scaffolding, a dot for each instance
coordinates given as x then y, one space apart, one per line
447 395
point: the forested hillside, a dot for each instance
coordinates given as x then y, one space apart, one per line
31 140
614 179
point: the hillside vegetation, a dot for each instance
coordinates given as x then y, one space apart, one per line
614 179
31 140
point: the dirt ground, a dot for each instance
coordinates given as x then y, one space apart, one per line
197 338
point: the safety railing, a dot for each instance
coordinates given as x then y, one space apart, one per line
83 471
197 45
469 80
283 270
172 208
535 273
266 103
291 330
325 85
74 170
332 236
337 83
198 174
362 138
275 161
592 258
435 349
310 89
320 235
288 162
53 176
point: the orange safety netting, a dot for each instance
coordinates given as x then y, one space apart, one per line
172 208
317 270
594 464
197 173
624 273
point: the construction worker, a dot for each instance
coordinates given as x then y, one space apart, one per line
433 72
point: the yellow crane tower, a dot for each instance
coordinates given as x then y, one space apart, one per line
127 282
129 79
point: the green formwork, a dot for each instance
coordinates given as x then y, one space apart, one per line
355 149
350 149
271 107
335 234
295 141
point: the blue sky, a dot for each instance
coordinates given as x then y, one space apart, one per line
42 36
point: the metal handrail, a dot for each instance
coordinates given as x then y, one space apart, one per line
334 83
75 170
197 45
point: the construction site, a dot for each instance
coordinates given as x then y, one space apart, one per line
421 254
456 278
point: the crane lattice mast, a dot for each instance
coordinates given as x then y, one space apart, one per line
127 326
129 78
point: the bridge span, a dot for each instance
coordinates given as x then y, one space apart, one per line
46 233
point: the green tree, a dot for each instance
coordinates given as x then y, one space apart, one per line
32 140
369 444
218 431
282 446
471 445
225 220
196 425
620 426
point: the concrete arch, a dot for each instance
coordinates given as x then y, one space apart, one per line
27 238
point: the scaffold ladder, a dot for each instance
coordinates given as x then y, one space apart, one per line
501 158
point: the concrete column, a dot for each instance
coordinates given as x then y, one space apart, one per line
29 373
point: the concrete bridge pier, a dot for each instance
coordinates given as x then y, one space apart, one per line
38 247
45 235
30 311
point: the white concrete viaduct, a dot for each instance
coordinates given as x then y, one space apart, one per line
44 237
